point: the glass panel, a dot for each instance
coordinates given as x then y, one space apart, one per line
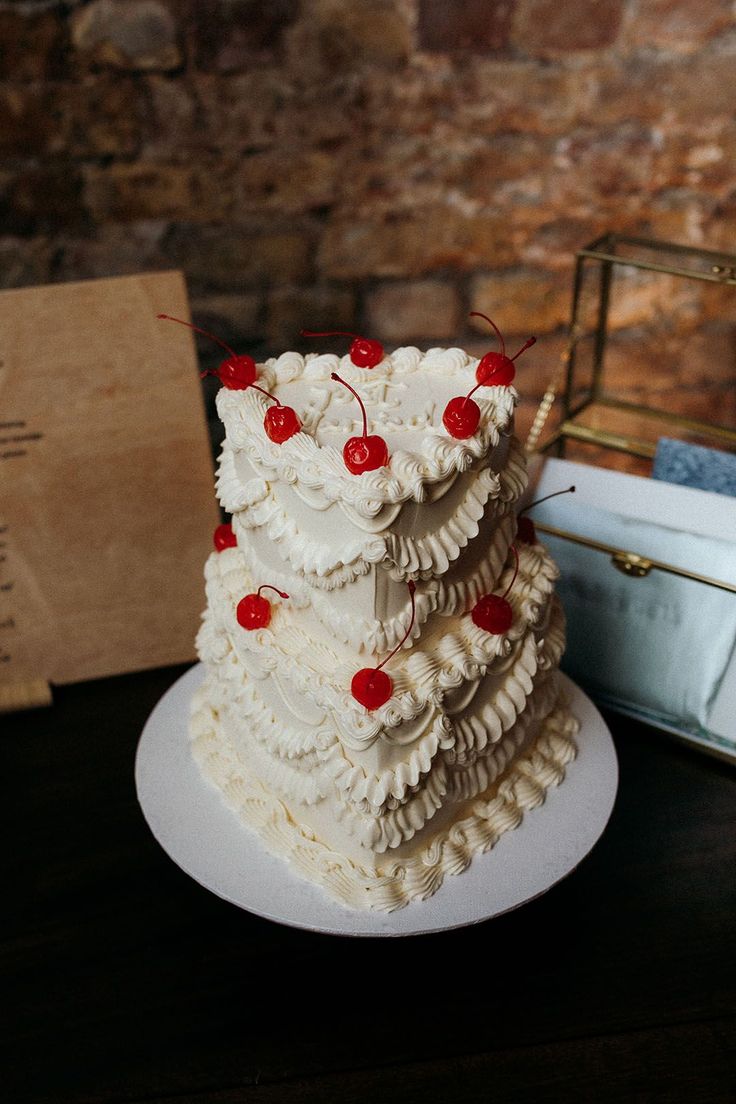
654 347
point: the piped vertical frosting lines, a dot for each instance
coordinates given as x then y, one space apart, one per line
301 460
536 578
426 555
416 878
367 794
420 674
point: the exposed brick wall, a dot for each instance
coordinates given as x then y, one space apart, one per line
383 166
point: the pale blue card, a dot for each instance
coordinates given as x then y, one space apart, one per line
659 643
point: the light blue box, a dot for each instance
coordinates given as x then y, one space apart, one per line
660 647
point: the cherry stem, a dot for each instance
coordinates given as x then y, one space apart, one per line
567 490
327 333
477 314
264 392
215 372
412 587
516 572
472 391
199 330
267 586
334 376
527 345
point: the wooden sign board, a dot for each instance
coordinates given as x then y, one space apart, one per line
106 482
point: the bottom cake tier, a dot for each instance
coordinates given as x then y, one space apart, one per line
309 836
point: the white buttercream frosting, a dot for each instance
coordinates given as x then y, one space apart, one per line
480 822
378 806
404 401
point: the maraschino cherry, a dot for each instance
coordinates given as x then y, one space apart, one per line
365 453
462 415
364 351
235 373
224 537
496 369
492 612
254 611
371 686
280 422
525 530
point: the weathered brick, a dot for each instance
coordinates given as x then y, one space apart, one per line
667 91
646 367
723 226
170 127
474 26
42 200
231 258
675 215
290 310
98 115
628 89
550 28
699 162
427 309
338 37
124 193
677 25
113 250
520 301
514 161
373 144
26 126
522 98
25 262
127 34
287 183
31 45
232 35
606 169
154 191
236 319
239 113
414 243
314 121
553 245
638 297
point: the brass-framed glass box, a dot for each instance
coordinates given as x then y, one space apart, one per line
650 357
651 351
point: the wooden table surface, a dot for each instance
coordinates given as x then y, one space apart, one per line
126 981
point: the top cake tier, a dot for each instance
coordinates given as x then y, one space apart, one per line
405 396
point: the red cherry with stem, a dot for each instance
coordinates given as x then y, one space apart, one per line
365 453
371 686
223 537
364 352
281 422
492 612
462 415
525 530
496 369
254 611
236 372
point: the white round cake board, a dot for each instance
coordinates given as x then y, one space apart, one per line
206 839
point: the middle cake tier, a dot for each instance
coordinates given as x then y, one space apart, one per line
432 678
463 704
348 572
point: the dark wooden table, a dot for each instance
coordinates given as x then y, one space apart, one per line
125 981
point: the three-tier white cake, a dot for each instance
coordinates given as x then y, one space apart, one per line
379 804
